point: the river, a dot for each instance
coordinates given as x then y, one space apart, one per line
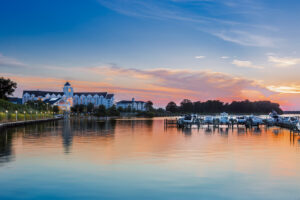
141 159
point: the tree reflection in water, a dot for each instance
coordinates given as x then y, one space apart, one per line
6 150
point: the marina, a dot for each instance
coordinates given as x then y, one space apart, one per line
248 121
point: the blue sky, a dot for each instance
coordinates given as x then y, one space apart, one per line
256 41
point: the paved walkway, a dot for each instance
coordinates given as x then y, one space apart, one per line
19 123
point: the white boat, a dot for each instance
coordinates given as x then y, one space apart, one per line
285 120
187 119
208 120
293 121
270 121
298 126
255 121
224 119
241 120
274 115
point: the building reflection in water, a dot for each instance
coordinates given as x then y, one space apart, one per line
67 136
85 128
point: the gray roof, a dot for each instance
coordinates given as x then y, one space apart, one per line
52 101
38 93
41 93
67 84
91 93
125 101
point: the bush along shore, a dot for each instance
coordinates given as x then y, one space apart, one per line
10 112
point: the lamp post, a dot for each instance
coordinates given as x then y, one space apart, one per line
47 106
16 115
31 115
36 115
6 115
24 115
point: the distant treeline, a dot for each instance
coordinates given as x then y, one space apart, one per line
291 112
216 106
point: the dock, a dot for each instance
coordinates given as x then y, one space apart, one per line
216 124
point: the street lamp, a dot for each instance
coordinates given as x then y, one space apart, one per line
47 106
16 115
36 115
6 115
31 115
24 115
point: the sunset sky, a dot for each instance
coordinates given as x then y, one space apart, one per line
155 50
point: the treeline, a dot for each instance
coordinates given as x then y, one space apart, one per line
216 106
99 111
102 111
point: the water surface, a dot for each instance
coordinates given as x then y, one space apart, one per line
140 159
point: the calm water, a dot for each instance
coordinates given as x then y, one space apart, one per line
139 159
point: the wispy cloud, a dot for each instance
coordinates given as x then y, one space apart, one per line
234 30
283 61
224 57
245 38
246 64
10 62
199 57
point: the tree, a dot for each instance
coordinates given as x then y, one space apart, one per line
128 109
172 107
120 109
149 105
90 107
198 107
55 109
186 105
112 111
81 108
101 111
7 87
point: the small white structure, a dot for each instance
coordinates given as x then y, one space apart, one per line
68 97
133 105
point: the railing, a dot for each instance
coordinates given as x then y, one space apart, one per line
9 116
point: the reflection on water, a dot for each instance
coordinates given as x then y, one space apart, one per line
6 152
141 159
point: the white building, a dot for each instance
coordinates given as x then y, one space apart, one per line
68 97
136 105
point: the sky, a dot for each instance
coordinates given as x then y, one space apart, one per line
159 50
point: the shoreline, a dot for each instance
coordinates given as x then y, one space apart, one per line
20 123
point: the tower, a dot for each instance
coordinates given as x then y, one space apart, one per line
68 90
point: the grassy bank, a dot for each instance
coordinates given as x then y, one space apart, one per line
10 112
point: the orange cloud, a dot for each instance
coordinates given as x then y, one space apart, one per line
158 85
